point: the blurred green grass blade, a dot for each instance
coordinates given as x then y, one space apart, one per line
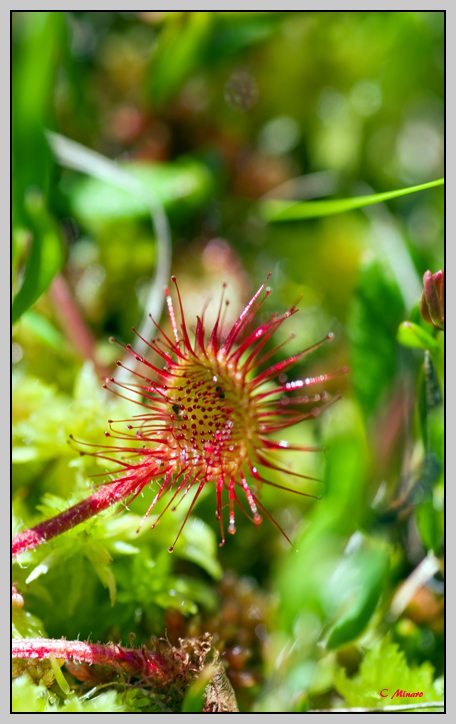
372 568
278 210
236 16
233 38
46 256
40 36
181 50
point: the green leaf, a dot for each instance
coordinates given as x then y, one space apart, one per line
372 569
46 256
278 210
376 311
196 590
25 625
430 404
100 559
182 186
322 542
411 335
427 519
106 576
174 599
385 669
233 38
35 325
198 543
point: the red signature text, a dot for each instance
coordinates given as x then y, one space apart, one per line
400 692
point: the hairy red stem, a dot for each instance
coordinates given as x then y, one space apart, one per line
132 661
104 498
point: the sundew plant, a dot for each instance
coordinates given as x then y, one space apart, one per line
227 361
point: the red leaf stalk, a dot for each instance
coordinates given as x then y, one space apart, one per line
133 661
102 499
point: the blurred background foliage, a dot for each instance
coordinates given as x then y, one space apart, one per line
217 114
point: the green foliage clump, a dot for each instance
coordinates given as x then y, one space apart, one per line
30 697
385 669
